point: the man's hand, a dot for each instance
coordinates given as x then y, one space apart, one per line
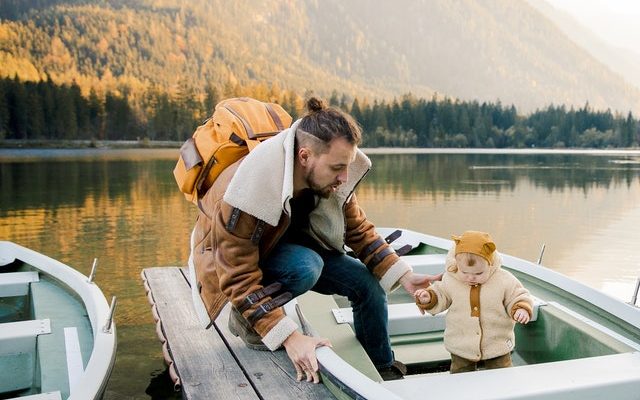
301 349
412 281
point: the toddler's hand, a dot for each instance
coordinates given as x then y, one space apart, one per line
521 315
423 297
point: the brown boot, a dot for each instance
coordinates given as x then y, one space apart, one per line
395 371
239 327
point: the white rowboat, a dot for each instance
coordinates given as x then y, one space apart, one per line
581 343
57 336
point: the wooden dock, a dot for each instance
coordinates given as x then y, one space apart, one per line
214 364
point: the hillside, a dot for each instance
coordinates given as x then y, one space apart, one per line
494 50
619 60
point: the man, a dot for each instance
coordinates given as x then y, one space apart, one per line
275 224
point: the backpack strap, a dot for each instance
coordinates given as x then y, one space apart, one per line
237 139
247 127
274 116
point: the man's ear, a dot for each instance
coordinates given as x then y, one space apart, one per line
303 155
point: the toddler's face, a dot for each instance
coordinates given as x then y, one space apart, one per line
472 268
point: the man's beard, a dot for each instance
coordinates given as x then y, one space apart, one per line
324 192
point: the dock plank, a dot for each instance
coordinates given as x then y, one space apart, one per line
214 364
206 368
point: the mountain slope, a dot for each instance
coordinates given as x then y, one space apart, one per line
622 61
490 50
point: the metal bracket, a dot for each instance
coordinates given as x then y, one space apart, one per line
93 270
342 316
634 298
109 322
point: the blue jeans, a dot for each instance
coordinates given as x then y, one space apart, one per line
300 269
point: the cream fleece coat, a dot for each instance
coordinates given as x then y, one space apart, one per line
491 334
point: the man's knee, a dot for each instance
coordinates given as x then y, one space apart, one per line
306 272
298 271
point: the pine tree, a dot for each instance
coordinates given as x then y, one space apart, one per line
96 114
36 121
212 97
17 110
4 110
65 119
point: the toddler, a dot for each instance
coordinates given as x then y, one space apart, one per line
484 303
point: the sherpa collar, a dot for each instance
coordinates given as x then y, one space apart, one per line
263 184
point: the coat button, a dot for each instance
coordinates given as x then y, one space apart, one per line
475 308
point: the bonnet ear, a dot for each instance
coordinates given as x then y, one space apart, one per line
456 239
490 247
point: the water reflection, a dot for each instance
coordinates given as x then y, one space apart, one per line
124 208
124 212
453 173
583 207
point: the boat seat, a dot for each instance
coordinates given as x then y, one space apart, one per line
16 283
431 264
40 396
415 338
18 353
405 318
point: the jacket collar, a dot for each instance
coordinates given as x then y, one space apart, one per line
263 184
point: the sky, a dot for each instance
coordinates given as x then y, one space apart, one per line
615 21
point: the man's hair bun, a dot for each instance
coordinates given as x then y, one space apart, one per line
314 104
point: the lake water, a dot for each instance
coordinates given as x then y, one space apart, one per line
123 207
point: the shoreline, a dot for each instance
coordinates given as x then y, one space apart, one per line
87 144
14 147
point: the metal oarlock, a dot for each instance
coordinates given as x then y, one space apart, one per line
541 254
93 270
109 323
634 298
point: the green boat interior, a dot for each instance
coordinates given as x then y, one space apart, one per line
39 333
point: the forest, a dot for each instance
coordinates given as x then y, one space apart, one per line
467 50
45 110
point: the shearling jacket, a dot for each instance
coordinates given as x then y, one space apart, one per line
479 323
226 249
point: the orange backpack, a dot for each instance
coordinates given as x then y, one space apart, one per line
236 127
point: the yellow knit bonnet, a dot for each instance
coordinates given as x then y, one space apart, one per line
474 242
